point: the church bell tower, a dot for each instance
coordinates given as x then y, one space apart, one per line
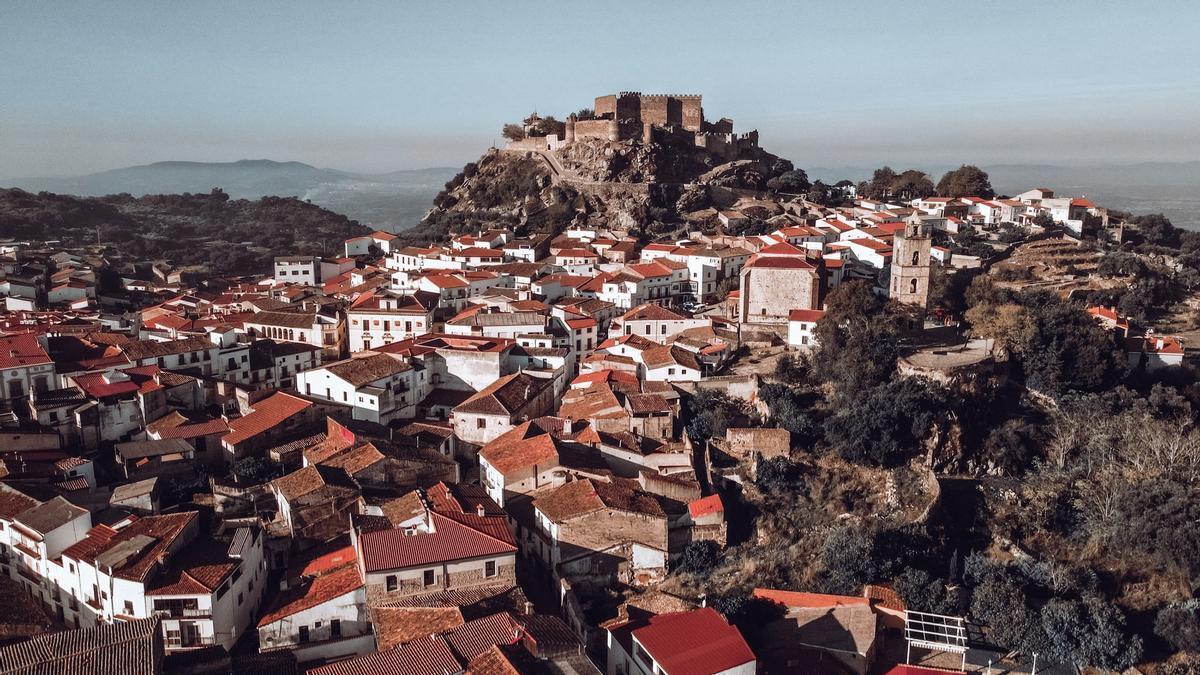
910 264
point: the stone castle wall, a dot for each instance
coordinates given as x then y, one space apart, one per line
680 109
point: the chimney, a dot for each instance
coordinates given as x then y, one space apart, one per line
1159 344
567 426
479 510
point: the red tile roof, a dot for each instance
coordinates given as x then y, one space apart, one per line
476 637
606 375
780 262
427 656
266 414
325 586
450 540
513 451
698 642
705 505
464 503
21 351
812 600
809 315
782 248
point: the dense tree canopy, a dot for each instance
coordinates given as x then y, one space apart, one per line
966 181
794 181
885 183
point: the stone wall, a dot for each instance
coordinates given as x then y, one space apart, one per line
600 530
769 294
449 577
601 129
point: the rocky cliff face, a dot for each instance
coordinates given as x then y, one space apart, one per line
593 182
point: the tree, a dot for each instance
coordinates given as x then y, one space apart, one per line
779 474
1011 233
788 410
585 114
1179 625
794 181
747 612
818 193
699 557
857 339
998 600
710 412
1064 349
1006 325
965 236
1157 230
513 132
1089 632
912 184
885 424
966 181
1120 264
922 592
880 185
848 557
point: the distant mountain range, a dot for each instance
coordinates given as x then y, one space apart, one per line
394 200
1171 188
397 200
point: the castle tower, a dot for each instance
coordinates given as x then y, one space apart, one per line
910 264
570 129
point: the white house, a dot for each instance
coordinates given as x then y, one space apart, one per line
379 387
802 325
665 644
24 367
379 318
298 269
322 613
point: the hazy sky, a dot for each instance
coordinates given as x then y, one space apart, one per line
377 86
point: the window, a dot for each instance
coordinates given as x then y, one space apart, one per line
390 583
128 608
428 578
480 423
53 415
916 257
239 599
913 286
335 628
489 568
304 633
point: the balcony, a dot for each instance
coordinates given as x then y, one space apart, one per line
183 613
190 643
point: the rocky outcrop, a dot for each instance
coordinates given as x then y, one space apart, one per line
592 182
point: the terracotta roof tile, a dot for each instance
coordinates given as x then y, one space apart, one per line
314 591
395 626
266 414
450 540
428 656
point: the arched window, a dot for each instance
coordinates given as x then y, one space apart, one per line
912 286
916 257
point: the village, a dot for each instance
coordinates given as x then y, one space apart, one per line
474 456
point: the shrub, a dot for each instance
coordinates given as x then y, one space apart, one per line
699 557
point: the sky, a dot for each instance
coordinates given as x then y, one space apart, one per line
382 86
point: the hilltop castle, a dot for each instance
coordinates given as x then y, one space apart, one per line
634 116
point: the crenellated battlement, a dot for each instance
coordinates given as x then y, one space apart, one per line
639 94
